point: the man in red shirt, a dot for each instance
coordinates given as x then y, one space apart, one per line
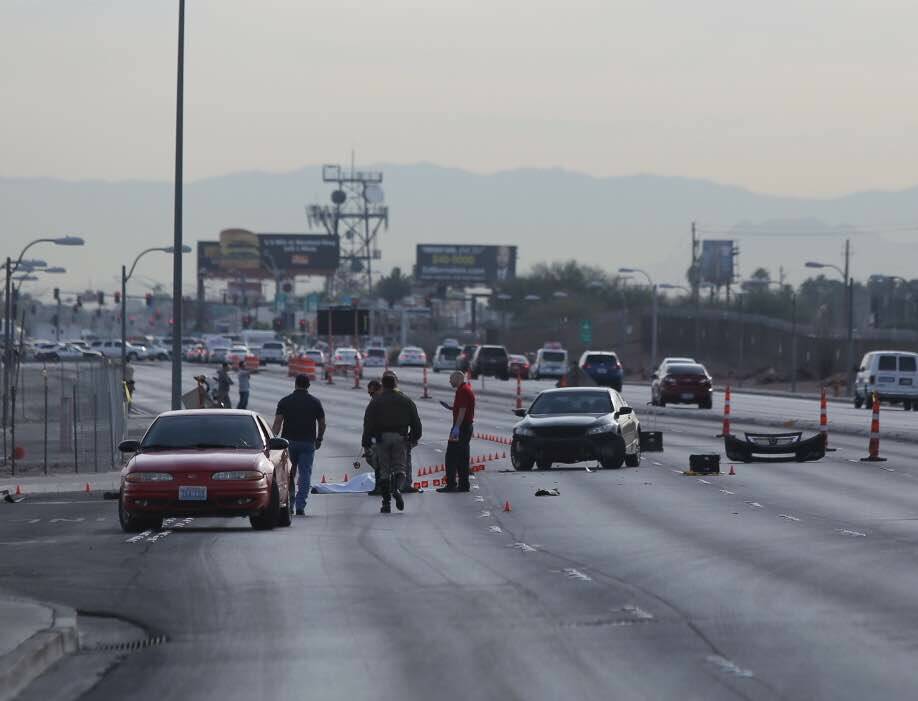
460 436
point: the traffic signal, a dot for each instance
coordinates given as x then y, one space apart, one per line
149 298
302 324
246 321
100 298
117 298
57 294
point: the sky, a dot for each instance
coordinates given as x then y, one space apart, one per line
802 97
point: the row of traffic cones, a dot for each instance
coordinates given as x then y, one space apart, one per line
492 438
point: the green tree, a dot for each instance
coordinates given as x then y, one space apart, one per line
394 287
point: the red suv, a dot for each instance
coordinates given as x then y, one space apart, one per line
681 383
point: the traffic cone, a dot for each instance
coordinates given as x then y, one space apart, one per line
328 374
345 478
824 419
426 394
732 471
519 392
507 507
504 456
725 431
18 491
323 479
87 488
873 448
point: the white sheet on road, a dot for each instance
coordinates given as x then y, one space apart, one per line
361 483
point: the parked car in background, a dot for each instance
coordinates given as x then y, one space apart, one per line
345 360
374 357
550 362
603 367
682 383
218 354
445 358
491 361
157 351
412 356
316 355
55 352
239 354
464 359
892 375
273 352
112 349
519 367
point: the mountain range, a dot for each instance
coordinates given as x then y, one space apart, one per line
639 221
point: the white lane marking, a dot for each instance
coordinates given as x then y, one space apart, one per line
676 472
67 520
638 612
495 529
577 574
726 491
33 520
138 537
788 517
729 666
658 464
854 461
479 499
475 486
587 468
484 514
523 547
704 481
754 504
159 536
845 531
101 518
888 469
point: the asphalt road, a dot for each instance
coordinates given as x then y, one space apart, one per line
786 581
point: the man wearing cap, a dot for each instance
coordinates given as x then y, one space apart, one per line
458 453
297 416
409 487
390 424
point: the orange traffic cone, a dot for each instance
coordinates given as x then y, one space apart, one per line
507 506
732 471
824 419
345 478
87 489
873 449
504 456
725 431
323 480
18 491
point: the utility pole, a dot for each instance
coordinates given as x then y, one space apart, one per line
695 282
849 354
177 219
793 342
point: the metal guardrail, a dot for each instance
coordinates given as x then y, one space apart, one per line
65 416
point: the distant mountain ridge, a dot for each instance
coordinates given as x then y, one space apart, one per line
551 214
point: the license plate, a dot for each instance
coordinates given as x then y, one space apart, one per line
886 380
905 380
602 371
187 493
688 395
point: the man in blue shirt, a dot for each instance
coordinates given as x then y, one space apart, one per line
297 416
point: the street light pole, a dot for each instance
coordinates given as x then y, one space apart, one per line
849 293
653 314
177 219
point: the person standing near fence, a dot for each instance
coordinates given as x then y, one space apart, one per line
460 436
223 387
297 416
243 379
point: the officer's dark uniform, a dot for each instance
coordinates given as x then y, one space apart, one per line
391 421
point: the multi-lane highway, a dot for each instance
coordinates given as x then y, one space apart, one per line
784 581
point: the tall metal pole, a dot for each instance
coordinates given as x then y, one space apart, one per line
794 342
123 326
7 345
849 288
653 331
177 217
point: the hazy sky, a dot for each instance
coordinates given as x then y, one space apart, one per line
808 97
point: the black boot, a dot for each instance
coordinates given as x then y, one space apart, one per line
386 507
397 492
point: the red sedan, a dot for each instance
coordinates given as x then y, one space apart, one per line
211 462
519 366
681 383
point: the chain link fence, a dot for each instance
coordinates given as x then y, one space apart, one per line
65 416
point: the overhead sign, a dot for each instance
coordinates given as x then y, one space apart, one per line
465 264
717 262
243 254
340 321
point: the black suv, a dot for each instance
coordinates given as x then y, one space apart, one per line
491 361
464 361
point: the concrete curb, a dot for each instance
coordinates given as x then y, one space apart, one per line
36 655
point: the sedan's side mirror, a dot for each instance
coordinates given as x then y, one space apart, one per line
130 446
624 411
520 412
277 443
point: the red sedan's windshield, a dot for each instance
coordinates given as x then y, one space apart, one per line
237 431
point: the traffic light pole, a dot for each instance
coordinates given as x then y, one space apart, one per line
124 324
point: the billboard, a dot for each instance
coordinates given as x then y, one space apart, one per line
242 253
342 321
717 262
445 264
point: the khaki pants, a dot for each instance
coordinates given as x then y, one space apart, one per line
391 455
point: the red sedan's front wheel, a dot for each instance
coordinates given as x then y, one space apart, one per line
270 517
136 523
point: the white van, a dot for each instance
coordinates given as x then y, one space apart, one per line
549 362
893 375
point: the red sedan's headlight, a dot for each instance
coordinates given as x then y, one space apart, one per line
148 477
248 475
